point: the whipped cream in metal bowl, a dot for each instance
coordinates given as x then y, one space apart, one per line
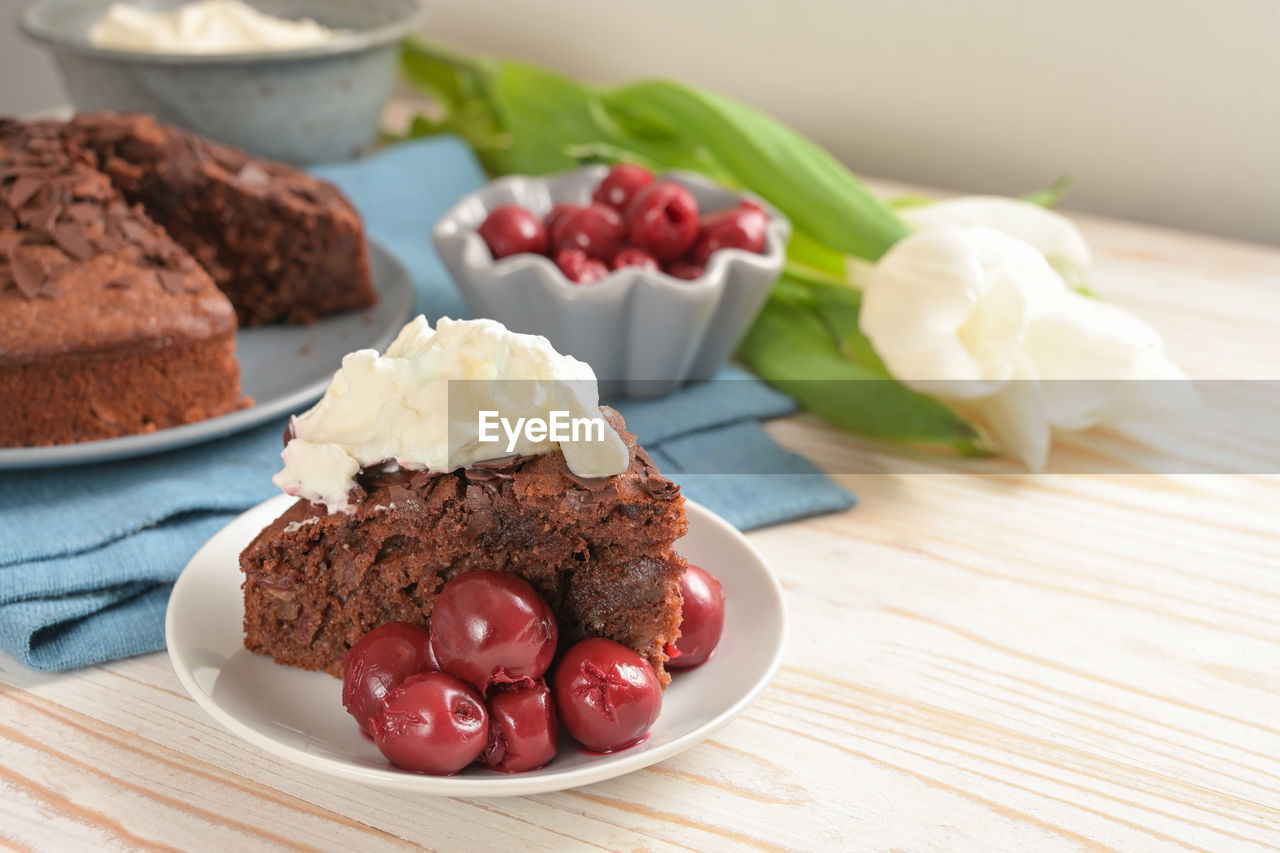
438 400
208 26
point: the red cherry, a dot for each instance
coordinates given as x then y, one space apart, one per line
378 663
740 228
633 257
579 268
687 270
596 230
523 734
560 211
701 620
490 627
663 220
432 723
607 695
621 184
512 230
748 204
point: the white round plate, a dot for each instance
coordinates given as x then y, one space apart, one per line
298 716
283 368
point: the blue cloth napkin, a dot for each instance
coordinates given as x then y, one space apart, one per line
88 554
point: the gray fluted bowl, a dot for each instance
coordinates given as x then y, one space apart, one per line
644 333
306 105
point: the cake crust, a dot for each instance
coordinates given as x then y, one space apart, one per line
599 551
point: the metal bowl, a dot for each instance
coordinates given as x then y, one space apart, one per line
644 333
306 105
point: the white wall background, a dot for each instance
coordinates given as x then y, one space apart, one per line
28 80
1166 111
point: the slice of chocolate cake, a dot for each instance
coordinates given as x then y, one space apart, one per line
107 327
599 550
283 245
403 488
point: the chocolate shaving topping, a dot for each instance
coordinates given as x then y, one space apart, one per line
42 219
72 240
29 274
23 190
170 255
13 169
82 212
591 484
655 484
8 219
171 280
399 494
305 193
502 463
56 261
420 479
132 230
382 475
9 241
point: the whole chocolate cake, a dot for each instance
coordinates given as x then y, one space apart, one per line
598 550
111 320
107 327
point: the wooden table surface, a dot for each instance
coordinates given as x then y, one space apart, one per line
980 659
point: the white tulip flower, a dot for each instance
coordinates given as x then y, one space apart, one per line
974 309
1054 235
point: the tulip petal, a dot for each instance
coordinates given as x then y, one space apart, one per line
951 305
1015 417
1099 363
1055 236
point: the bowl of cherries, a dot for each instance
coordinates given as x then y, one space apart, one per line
489 684
651 279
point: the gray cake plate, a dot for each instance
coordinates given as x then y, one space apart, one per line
283 368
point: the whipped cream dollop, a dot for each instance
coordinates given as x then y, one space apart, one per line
208 26
419 405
